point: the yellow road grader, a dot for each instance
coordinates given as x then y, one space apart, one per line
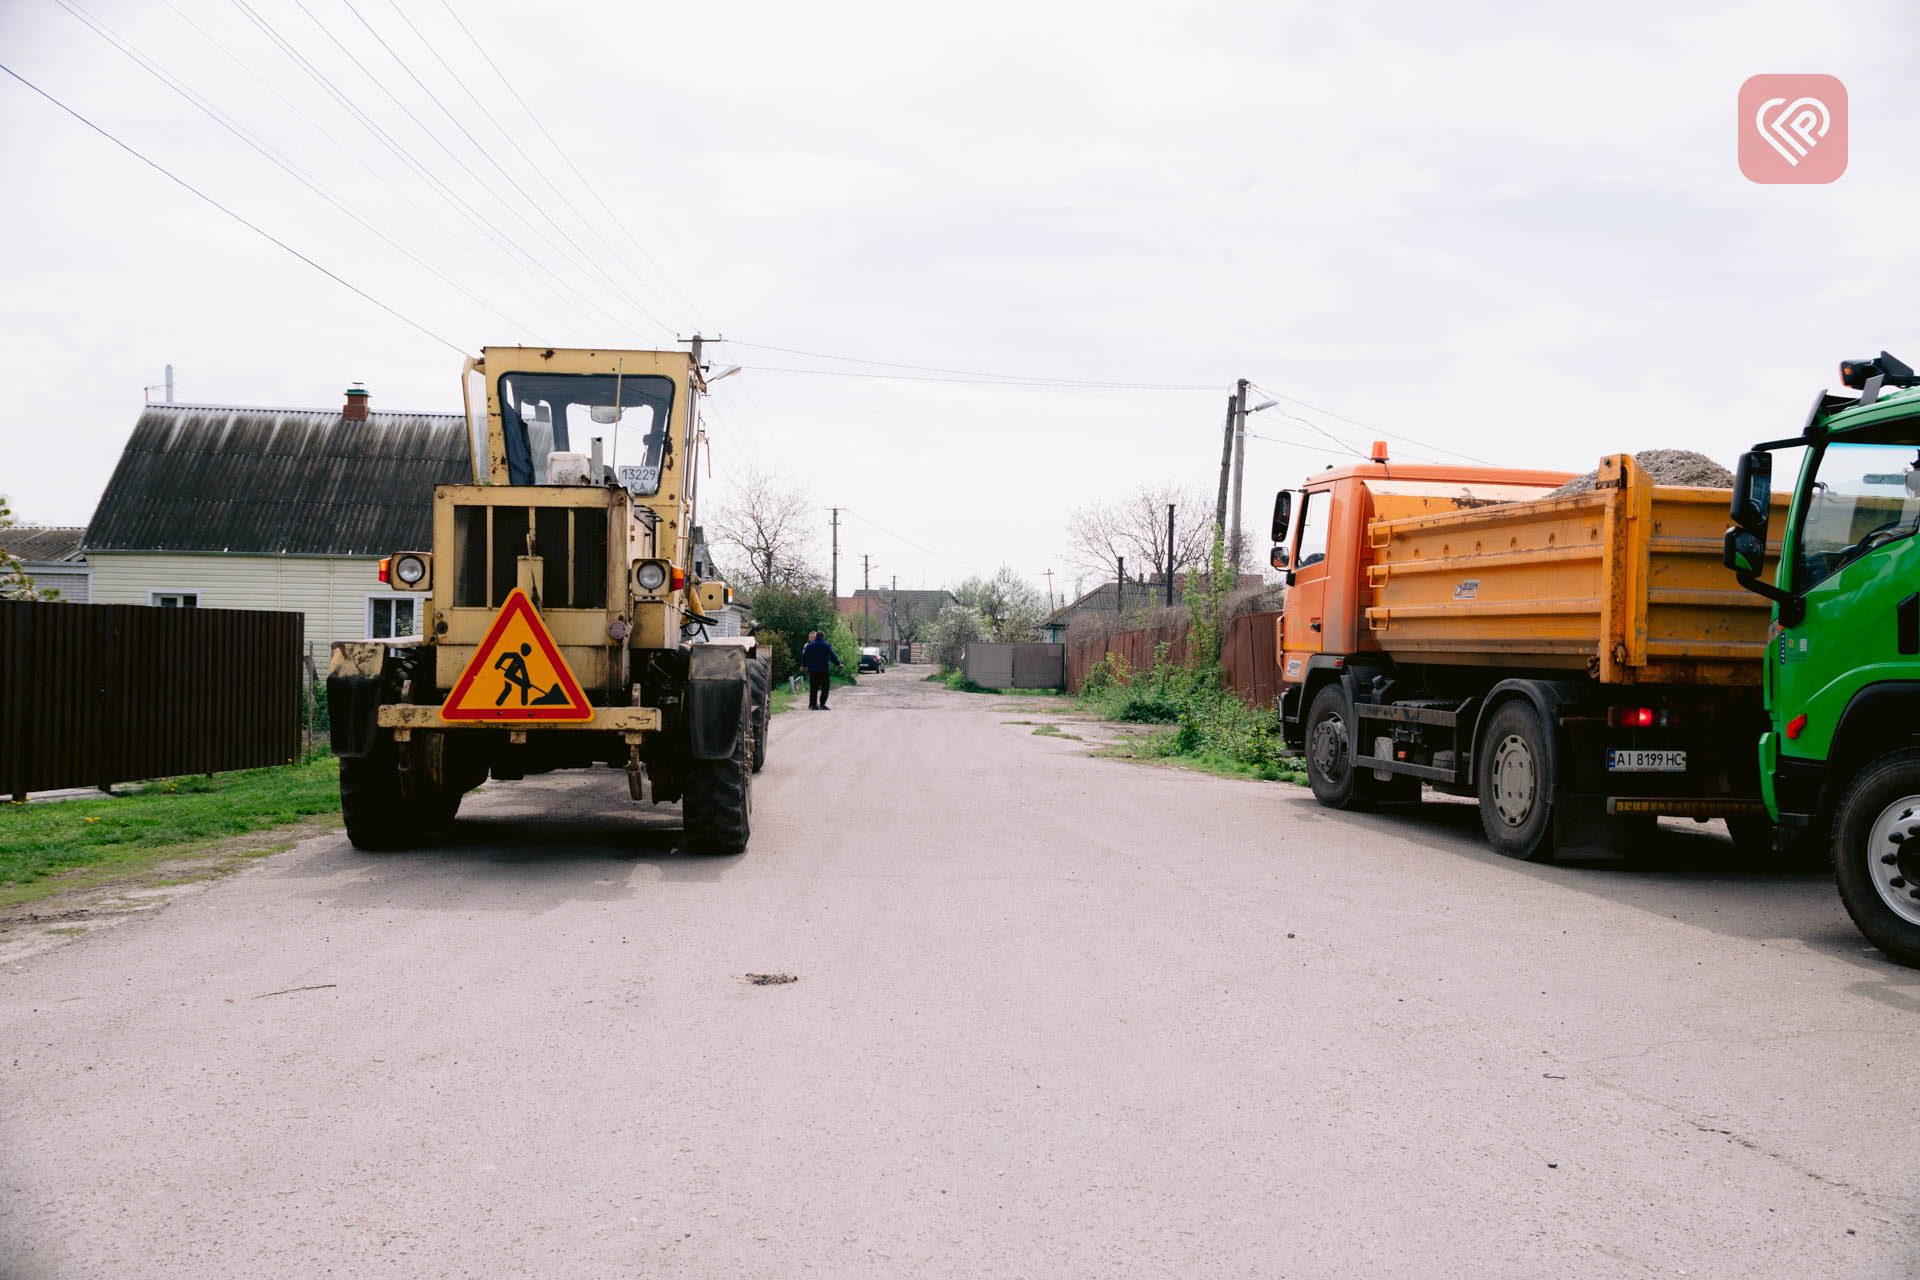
571 618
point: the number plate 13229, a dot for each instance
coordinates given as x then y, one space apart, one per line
1622 761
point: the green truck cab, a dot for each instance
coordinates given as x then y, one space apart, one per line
1840 761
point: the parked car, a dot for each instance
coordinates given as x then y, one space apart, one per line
872 660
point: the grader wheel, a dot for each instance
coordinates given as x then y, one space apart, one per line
718 804
378 817
759 688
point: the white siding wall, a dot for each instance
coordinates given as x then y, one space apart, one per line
69 580
332 592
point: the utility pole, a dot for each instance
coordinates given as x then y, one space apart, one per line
1226 468
866 599
1169 555
1239 477
835 589
1049 591
1120 588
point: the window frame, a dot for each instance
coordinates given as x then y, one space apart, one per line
184 593
419 613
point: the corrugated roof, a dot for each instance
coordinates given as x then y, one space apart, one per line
39 545
278 481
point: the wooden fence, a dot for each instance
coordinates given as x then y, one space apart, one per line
94 694
1246 655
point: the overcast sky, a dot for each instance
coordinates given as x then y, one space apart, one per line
1515 231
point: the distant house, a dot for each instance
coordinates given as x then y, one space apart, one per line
226 508
889 619
1125 599
51 557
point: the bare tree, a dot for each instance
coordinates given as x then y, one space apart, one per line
766 526
14 582
1133 528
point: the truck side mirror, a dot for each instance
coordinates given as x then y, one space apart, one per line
1753 494
1743 553
1282 516
1278 557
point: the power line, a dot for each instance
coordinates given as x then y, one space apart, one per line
965 373
227 122
965 564
460 205
354 156
584 260
435 138
552 186
1364 427
169 174
590 188
1064 384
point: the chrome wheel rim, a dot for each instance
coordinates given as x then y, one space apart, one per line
1514 780
1893 857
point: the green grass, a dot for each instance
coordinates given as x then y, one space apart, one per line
1053 731
958 682
163 819
780 698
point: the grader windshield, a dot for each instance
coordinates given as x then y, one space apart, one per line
546 413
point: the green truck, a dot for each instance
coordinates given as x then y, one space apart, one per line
1840 760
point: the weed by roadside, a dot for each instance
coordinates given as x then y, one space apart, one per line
955 679
162 817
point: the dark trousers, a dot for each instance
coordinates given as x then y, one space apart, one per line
817 683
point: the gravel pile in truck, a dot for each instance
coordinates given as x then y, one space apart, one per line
1663 466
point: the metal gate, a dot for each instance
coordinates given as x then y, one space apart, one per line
94 694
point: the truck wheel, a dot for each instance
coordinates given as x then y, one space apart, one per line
717 807
1516 783
1330 772
1876 854
759 683
378 818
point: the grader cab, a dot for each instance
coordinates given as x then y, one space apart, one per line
566 624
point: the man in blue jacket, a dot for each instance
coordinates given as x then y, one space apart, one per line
815 658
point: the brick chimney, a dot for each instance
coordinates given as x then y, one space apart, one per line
356 406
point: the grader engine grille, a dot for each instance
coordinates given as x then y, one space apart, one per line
570 541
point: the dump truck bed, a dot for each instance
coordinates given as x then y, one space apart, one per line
1624 582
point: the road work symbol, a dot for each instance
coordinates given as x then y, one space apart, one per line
517 673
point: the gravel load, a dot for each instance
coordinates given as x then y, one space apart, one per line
1666 466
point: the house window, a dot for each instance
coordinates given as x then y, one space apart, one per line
393 617
174 599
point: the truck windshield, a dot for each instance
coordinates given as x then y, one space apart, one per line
1866 493
544 413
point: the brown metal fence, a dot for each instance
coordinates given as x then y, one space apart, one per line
93 694
1246 655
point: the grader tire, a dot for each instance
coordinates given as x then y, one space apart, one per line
759 687
378 818
717 807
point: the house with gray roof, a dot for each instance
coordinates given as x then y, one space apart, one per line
51 557
213 507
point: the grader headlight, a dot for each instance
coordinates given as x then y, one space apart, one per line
650 576
411 570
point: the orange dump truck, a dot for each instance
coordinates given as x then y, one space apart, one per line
1581 664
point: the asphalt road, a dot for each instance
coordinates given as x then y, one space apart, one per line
1055 1016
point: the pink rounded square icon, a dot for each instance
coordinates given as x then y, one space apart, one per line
1793 129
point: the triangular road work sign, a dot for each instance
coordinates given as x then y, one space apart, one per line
517 673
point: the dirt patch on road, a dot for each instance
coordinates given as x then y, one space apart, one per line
93 898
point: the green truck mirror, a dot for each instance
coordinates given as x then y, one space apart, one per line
1753 493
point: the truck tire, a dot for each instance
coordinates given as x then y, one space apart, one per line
759 685
1330 772
1516 783
1876 854
717 807
380 819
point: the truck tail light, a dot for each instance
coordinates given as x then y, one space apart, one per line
679 578
1795 725
1641 717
